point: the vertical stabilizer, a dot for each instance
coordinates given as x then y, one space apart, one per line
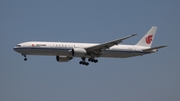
147 39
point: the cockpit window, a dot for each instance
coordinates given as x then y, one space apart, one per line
18 45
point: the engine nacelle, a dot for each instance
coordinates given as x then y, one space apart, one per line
63 58
78 52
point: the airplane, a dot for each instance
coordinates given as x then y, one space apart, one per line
65 51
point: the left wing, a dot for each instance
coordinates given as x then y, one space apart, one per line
98 48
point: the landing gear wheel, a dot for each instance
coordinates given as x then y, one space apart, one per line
93 60
25 59
90 59
86 63
83 62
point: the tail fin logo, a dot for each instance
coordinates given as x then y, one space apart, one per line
149 39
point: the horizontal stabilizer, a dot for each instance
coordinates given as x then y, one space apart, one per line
153 48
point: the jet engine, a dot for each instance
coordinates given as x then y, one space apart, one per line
63 58
78 52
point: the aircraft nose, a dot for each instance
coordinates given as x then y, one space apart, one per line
16 48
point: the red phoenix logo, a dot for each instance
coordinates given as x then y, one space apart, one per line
149 39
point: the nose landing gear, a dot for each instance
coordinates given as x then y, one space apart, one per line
25 59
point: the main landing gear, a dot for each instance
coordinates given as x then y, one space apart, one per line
25 58
83 62
93 60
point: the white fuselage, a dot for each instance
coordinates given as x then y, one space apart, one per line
65 51
64 48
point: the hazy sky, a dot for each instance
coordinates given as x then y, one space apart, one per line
154 77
